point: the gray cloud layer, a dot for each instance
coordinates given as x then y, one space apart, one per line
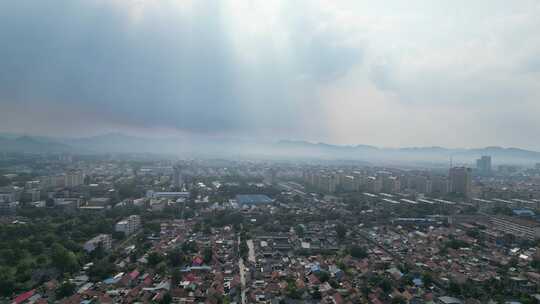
321 70
160 68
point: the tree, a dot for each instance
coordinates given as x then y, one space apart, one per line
456 244
154 258
161 267
399 300
323 276
65 289
454 288
175 257
129 190
98 253
316 295
509 238
176 277
151 227
299 230
536 264
292 290
189 247
7 281
244 249
474 233
207 255
427 278
502 210
64 260
358 252
167 299
341 231
49 203
385 285
36 248
101 269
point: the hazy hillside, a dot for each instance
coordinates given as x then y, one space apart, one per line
203 147
32 145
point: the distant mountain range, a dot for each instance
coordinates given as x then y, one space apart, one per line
120 143
428 154
32 145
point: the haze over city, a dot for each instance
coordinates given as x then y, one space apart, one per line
269 152
390 74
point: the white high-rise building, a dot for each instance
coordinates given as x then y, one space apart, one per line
128 225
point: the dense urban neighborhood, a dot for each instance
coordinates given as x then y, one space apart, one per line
269 152
149 229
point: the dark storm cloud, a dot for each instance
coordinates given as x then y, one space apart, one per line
162 71
158 68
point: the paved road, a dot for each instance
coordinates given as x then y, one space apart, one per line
242 275
124 243
251 252
242 280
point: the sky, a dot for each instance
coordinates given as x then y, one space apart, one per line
387 73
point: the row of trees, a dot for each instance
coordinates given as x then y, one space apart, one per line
49 245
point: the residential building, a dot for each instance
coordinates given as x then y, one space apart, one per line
373 184
349 183
168 195
74 178
391 184
32 195
102 240
422 184
483 165
178 180
99 201
128 225
8 208
460 181
54 181
518 227
440 185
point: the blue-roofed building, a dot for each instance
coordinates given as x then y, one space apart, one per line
523 212
315 268
252 199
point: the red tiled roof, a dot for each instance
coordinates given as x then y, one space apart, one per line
313 279
197 261
376 301
190 277
23 296
134 274
337 298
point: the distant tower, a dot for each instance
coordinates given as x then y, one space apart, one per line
483 165
178 180
460 181
270 176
